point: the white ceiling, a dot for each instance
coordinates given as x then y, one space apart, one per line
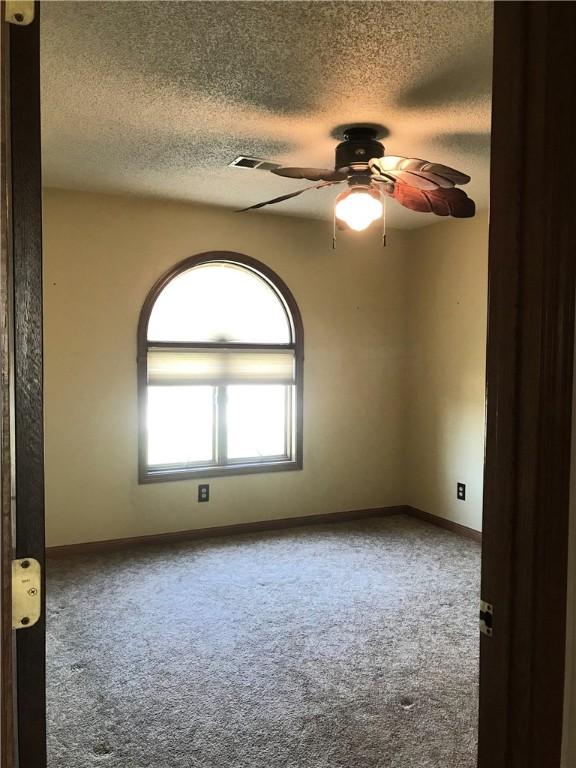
156 98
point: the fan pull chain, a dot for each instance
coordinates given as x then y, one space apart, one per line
384 223
334 230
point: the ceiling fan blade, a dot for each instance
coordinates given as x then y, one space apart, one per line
418 180
409 197
312 174
415 165
442 202
287 197
460 205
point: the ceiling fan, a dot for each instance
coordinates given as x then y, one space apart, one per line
373 176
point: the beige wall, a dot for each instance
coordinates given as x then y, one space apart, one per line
102 255
394 370
445 372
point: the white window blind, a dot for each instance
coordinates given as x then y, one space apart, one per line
220 366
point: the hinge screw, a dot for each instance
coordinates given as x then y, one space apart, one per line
25 563
19 17
25 620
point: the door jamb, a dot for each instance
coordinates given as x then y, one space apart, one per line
6 549
24 465
530 354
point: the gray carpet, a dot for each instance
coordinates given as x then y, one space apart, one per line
351 645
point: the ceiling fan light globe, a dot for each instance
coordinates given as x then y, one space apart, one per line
358 208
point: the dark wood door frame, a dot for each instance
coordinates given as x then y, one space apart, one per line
6 551
21 66
529 384
529 381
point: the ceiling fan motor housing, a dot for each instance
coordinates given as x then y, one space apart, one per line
359 146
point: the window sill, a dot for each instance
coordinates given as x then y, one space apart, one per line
168 475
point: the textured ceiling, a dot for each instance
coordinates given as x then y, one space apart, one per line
156 98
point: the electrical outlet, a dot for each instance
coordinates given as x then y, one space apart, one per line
204 492
461 491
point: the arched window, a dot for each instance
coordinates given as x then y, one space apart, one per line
220 353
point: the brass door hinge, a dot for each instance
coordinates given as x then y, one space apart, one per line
486 618
19 12
26 605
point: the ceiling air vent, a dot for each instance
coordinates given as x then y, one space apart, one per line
253 162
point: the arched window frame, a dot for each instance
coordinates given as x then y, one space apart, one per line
145 474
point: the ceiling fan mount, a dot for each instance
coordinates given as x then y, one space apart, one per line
360 145
378 130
